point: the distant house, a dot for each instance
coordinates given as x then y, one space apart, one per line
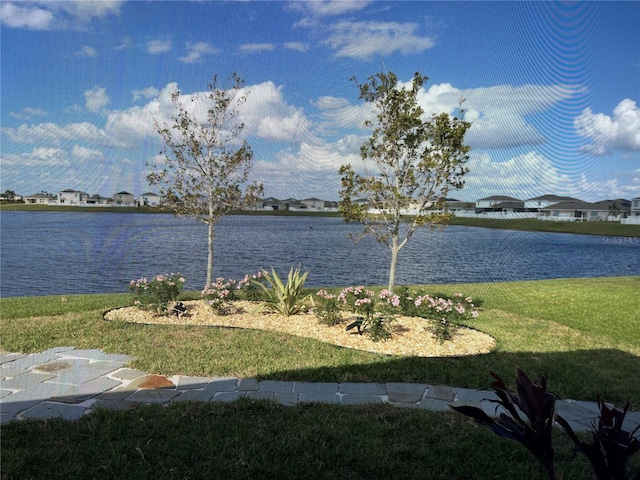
272 203
535 204
499 203
41 199
97 200
150 199
330 206
585 211
124 199
72 197
314 203
11 198
635 207
293 204
458 207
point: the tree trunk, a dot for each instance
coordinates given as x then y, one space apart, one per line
395 249
211 236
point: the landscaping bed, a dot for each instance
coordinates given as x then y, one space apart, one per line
410 336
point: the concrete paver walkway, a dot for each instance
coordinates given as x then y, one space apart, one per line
69 383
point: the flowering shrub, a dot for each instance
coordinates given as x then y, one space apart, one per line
374 313
158 293
250 284
446 314
220 294
328 310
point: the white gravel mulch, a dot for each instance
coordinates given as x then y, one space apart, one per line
409 338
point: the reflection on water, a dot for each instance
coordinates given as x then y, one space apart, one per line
49 253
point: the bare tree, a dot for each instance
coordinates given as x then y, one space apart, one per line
206 162
417 162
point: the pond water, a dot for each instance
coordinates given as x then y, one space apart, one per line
52 253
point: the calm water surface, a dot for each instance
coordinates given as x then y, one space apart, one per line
51 253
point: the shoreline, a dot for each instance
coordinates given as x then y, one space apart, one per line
190 295
605 229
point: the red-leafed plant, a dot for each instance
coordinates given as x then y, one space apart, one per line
611 447
528 418
538 407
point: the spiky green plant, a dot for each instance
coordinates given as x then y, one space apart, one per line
284 298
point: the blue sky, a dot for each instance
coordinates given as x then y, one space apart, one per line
552 88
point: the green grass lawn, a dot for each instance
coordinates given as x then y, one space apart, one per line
535 225
584 333
261 440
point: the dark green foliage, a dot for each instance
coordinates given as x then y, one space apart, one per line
610 449
158 293
328 312
611 446
205 168
538 406
284 298
418 162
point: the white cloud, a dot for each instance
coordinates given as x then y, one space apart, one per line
364 40
296 46
158 46
268 116
498 114
310 171
532 174
96 99
265 114
600 190
56 15
124 44
524 176
619 132
53 134
30 17
257 47
86 154
41 156
325 8
337 113
27 113
196 51
86 52
149 92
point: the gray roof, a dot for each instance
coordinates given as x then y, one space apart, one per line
556 198
603 205
500 197
41 195
516 204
